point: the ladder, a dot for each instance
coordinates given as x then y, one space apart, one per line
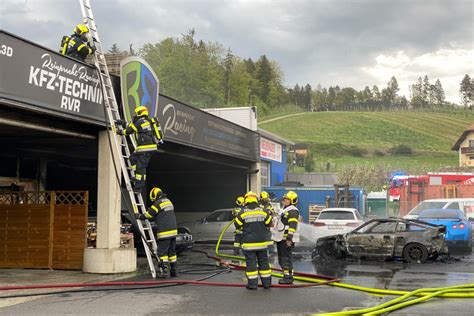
113 114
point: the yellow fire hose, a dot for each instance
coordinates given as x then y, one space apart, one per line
458 291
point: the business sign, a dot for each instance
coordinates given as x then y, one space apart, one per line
139 86
187 125
45 81
270 150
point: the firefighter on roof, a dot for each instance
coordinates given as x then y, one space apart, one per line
77 45
162 210
253 221
147 133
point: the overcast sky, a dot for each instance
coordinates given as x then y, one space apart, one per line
348 42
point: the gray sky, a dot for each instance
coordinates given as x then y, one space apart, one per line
347 42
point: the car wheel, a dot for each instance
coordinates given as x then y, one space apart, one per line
415 253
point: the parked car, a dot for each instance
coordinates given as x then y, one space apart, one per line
411 240
458 232
209 227
184 240
338 220
465 205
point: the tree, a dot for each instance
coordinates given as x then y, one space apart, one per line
466 91
264 77
376 96
439 96
392 91
309 162
114 49
228 65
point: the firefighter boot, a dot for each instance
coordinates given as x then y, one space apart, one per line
266 282
173 269
165 270
252 284
287 278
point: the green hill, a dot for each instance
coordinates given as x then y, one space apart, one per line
352 138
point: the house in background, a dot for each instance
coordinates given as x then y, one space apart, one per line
465 147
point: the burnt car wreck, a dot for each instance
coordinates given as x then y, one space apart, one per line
411 240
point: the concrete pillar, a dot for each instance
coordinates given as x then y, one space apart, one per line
255 182
108 257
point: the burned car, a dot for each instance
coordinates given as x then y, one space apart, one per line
411 240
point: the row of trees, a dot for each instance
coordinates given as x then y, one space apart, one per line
208 75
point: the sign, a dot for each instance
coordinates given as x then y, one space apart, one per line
270 150
46 81
187 125
139 86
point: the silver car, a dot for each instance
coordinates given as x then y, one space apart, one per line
209 227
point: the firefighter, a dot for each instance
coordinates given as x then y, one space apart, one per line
77 45
253 221
147 133
267 207
289 217
238 233
265 202
162 211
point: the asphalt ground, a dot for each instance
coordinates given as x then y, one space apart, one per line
192 299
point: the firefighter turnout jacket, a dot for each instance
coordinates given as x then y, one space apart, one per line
236 212
267 206
254 223
147 133
162 210
76 47
289 217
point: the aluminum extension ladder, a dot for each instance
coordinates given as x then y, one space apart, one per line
113 114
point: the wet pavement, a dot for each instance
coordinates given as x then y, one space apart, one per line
190 299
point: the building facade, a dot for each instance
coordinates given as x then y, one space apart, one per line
465 147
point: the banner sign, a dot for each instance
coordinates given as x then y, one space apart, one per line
46 81
270 150
187 125
139 86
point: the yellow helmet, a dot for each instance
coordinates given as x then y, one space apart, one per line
250 197
155 193
292 196
240 201
264 195
141 111
81 29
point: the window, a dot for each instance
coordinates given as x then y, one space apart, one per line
471 143
341 215
426 205
221 216
265 172
387 227
454 206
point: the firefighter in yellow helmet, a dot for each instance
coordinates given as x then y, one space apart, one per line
147 132
162 211
253 221
267 207
289 217
77 45
239 202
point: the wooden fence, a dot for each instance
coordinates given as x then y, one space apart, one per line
43 230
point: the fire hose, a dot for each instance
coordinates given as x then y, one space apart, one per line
423 294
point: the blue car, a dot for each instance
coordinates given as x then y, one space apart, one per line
458 228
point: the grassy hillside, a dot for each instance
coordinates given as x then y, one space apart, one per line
353 138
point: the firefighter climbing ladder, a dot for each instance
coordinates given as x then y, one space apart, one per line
113 114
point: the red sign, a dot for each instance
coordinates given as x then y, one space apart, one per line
270 150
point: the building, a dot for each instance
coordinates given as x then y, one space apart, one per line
465 147
273 148
55 139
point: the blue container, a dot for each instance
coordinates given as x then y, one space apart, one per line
313 198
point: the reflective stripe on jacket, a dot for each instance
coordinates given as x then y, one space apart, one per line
289 217
254 223
145 133
162 210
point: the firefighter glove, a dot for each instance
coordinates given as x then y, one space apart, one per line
140 216
290 244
